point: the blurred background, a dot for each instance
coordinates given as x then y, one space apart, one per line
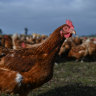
43 16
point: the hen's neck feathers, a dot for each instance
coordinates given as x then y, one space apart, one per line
43 70
53 41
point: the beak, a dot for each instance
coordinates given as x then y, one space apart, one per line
73 32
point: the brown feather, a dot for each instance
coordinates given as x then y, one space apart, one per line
34 64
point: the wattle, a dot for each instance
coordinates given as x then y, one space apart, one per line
67 35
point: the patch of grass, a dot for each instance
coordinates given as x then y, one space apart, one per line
70 79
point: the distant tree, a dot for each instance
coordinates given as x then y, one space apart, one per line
26 31
1 31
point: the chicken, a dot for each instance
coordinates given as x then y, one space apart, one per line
6 41
68 44
84 50
26 42
78 52
4 51
5 45
92 50
35 65
16 42
19 42
77 40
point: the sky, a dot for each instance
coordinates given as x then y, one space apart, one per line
44 16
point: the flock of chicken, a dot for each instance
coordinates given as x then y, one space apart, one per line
79 49
15 42
27 62
73 48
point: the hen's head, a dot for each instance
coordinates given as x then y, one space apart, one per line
68 29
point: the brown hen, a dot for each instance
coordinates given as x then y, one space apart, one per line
34 65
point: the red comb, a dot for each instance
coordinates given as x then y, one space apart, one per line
69 22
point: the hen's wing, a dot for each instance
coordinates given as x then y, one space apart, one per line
9 80
21 60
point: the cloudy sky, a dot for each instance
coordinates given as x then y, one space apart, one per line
43 16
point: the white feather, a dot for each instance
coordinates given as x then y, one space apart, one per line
19 79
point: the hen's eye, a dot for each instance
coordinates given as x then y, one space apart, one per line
65 28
